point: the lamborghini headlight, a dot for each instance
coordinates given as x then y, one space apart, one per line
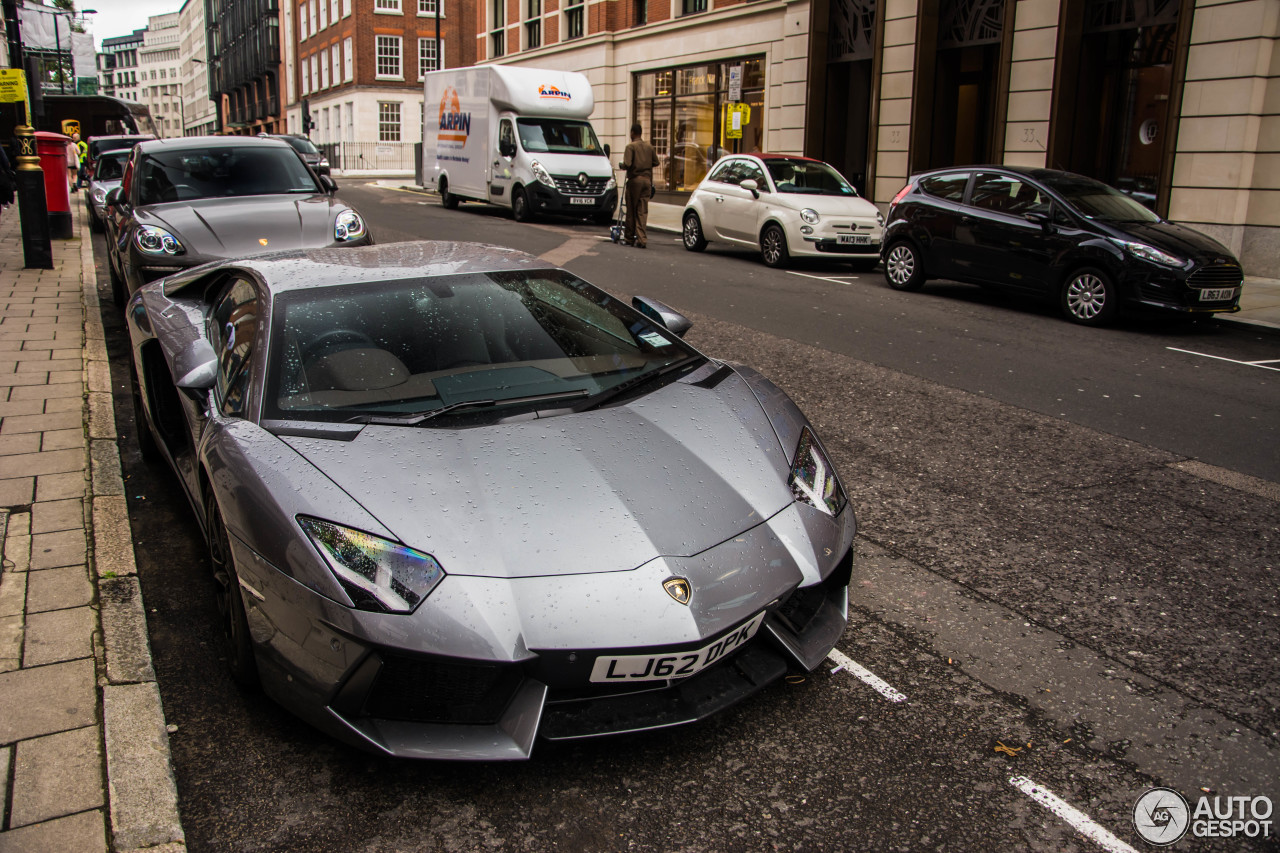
378 574
157 241
540 172
349 226
813 480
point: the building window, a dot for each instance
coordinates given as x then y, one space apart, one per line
348 60
533 24
427 56
642 12
306 78
346 8
388 121
428 7
388 64
324 16
690 7
324 69
497 32
573 20
387 6
337 64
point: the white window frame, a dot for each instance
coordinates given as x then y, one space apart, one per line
324 68
379 42
399 121
315 72
431 12
424 41
334 11
324 15
306 78
337 63
387 7
348 61
346 8
315 18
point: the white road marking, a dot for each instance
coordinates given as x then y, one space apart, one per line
1079 821
822 277
1265 364
866 676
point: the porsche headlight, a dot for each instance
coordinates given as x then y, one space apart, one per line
349 226
1151 253
809 215
157 241
813 480
378 573
540 172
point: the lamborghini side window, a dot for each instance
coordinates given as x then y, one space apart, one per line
233 327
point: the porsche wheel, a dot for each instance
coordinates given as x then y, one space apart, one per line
147 447
119 292
692 233
1089 297
236 643
902 267
773 246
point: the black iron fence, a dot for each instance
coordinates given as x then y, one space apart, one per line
369 156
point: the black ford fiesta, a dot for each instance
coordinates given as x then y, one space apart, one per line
1087 245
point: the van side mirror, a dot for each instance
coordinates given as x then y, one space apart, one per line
607 152
664 315
507 149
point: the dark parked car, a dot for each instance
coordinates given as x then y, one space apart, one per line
458 500
99 145
191 200
306 150
103 178
1055 234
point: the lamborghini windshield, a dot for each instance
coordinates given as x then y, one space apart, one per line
498 340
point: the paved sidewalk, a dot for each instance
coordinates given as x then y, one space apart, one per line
84 754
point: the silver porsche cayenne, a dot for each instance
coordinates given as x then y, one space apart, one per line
457 500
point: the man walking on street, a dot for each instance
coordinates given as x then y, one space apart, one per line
638 162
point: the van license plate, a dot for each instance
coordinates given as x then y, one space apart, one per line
853 239
577 199
1217 294
680 665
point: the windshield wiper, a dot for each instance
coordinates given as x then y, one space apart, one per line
627 385
415 418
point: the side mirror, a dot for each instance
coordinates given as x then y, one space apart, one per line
607 151
113 197
1035 218
507 149
664 315
196 366
329 185
753 185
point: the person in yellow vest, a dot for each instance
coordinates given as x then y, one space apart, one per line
82 157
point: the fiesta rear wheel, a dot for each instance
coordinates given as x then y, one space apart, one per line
448 200
236 642
692 233
773 246
1089 297
902 267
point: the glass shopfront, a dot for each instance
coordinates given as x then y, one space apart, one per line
688 116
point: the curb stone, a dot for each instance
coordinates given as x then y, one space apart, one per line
141 790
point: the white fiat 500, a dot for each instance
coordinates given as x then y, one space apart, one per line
785 205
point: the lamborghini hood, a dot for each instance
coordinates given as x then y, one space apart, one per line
669 474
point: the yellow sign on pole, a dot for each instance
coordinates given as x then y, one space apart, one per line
13 85
736 116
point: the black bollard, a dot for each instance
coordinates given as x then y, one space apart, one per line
37 250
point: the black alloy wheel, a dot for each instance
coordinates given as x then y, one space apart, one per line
773 246
902 267
1089 297
692 231
520 205
237 645
448 200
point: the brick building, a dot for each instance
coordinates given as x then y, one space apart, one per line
355 70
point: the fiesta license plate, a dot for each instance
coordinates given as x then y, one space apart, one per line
1217 294
853 239
630 668
578 199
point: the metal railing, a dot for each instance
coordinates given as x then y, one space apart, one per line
369 156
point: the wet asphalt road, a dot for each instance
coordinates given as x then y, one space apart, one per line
1102 605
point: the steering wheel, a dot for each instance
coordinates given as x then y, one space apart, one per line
332 338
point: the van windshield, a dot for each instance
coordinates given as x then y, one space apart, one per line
557 135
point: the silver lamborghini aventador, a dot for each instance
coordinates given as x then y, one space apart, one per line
458 500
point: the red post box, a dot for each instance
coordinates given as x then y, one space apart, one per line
52 149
